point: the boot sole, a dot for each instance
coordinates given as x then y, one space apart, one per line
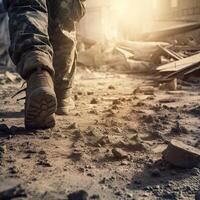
40 109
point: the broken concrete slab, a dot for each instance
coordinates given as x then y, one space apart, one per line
181 155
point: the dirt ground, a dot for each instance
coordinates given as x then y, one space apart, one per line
109 148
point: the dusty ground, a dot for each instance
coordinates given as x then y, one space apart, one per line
80 153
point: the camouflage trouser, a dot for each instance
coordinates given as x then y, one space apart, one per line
42 35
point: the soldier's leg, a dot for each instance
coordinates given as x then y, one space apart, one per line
63 39
30 45
31 51
64 46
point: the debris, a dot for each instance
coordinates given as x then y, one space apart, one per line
178 129
15 192
181 155
142 50
79 195
170 85
94 101
111 87
73 126
119 153
10 76
147 90
116 102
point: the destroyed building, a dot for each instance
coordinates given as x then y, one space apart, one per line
134 131
188 10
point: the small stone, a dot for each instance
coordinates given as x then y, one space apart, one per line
111 87
116 102
90 93
119 153
73 126
94 101
95 197
76 97
79 195
118 193
13 170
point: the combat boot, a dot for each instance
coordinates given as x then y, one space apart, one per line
41 103
65 101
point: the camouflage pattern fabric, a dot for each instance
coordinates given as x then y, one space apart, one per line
42 34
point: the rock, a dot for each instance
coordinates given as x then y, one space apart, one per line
95 197
94 101
90 93
79 195
178 130
116 102
73 126
111 87
181 155
119 153
15 192
197 195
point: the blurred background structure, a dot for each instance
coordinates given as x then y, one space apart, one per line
125 19
5 60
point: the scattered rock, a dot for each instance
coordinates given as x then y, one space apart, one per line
43 161
181 155
13 170
79 195
111 87
76 155
94 101
116 102
178 129
147 90
15 192
95 197
119 153
169 100
90 93
73 126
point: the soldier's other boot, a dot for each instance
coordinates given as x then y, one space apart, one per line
41 102
65 101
